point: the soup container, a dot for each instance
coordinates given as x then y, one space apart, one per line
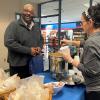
58 66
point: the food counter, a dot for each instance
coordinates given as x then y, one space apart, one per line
75 92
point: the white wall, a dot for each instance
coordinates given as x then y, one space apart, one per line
7 14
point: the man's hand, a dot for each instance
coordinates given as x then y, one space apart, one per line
38 50
33 51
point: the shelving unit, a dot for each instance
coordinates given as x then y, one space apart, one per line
78 34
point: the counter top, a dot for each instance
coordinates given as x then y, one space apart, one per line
75 92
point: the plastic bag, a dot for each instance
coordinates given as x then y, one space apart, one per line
32 90
3 75
36 64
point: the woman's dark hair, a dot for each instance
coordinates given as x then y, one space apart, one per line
86 16
94 14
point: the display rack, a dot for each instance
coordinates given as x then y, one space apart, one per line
78 34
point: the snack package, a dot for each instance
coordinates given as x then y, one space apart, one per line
62 49
3 75
32 90
9 84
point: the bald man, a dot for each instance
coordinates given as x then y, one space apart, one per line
23 40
